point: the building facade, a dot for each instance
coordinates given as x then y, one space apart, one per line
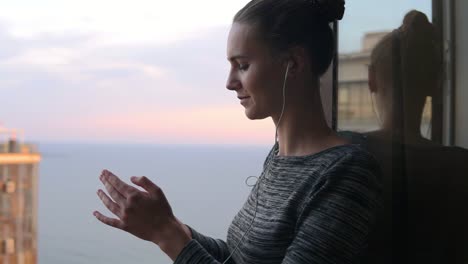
18 199
355 109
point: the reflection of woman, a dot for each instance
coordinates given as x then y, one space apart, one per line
405 69
316 198
421 221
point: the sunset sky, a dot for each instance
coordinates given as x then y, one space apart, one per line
141 71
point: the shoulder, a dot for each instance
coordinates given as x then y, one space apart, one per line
354 137
350 186
349 156
355 155
349 168
353 163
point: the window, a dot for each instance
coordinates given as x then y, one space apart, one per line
7 246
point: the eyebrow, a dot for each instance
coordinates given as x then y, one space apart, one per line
237 57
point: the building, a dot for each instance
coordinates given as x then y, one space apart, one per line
355 110
18 199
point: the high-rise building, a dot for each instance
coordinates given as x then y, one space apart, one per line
18 199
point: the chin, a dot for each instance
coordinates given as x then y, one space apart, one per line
253 115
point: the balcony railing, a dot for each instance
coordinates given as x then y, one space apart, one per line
8 147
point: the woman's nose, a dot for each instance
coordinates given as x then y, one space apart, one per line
230 85
232 82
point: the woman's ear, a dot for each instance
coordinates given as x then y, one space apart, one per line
296 60
371 77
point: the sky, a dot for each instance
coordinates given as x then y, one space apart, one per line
141 71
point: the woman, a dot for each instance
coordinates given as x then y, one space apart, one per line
316 198
405 69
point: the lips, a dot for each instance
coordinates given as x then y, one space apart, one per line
243 100
243 97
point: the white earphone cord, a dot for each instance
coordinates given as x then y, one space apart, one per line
267 167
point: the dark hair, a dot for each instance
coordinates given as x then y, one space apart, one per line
419 55
286 23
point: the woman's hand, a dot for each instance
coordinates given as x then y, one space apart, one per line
145 214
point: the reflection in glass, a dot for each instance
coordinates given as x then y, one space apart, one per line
423 219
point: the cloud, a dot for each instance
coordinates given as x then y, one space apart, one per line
10 46
60 83
221 124
195 125
119 21
198 62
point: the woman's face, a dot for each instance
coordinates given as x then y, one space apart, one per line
255 75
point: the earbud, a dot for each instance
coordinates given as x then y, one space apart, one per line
287 70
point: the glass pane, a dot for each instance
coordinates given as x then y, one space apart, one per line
390 100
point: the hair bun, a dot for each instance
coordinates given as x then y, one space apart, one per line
331 10
420 52
416 20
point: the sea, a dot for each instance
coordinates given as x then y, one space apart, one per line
204 184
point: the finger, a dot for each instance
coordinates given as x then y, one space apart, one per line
109 221
146 184
113 207
116 195
120 186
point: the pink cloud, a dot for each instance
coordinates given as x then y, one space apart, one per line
225 124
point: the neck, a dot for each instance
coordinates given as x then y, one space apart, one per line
406 126
303 129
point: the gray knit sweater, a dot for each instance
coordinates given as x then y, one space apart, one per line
317 208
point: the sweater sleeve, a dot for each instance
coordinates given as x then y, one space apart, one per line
336 220
194 253
203 249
